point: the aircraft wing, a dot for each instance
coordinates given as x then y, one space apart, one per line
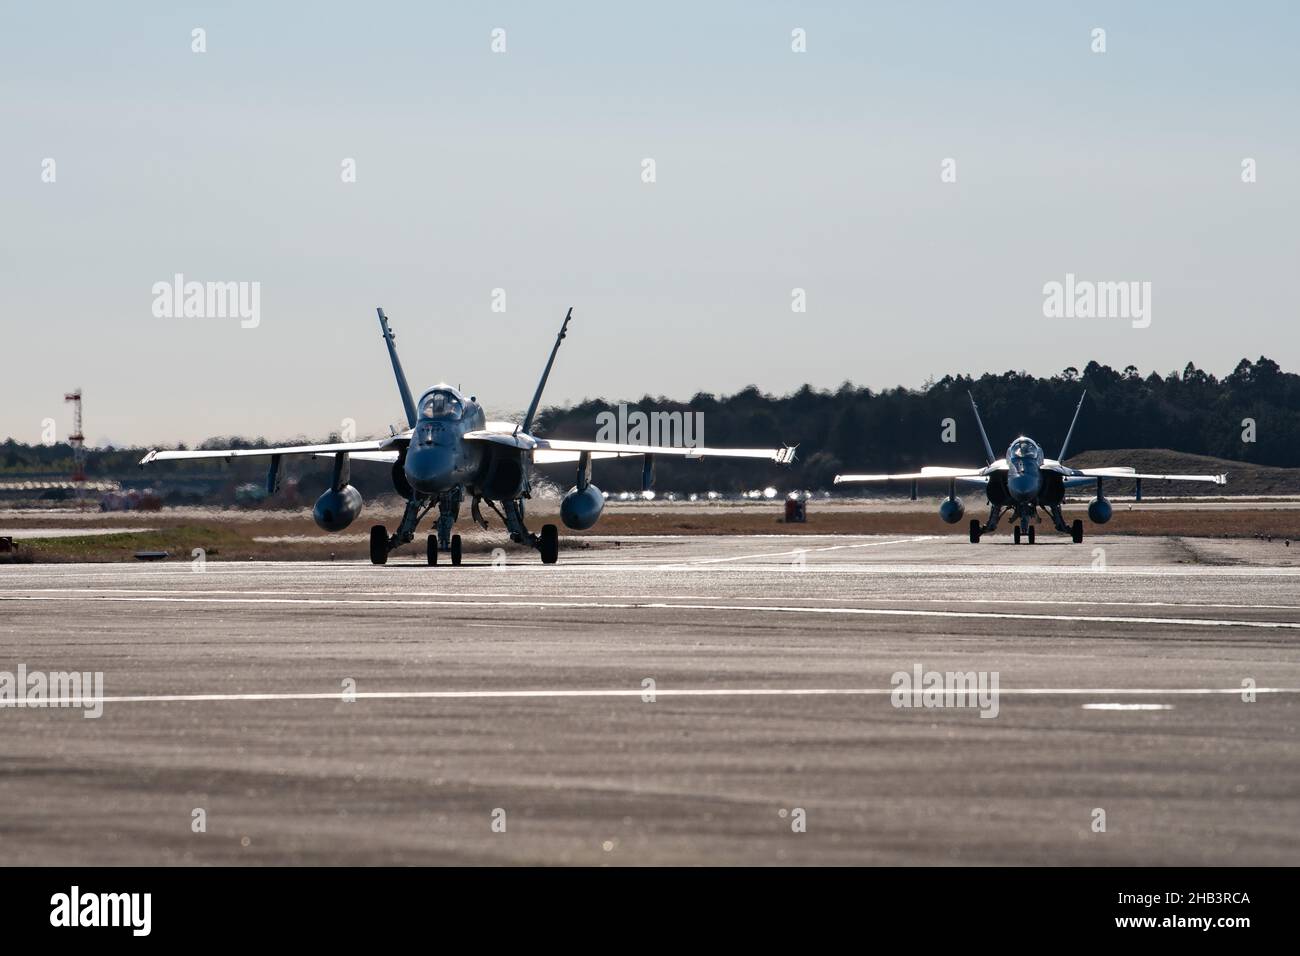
384 457
229 453
555 450
782 456
930 471
552 456
1121 471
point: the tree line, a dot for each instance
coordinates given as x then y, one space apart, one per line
1251 415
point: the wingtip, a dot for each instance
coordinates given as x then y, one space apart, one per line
149 457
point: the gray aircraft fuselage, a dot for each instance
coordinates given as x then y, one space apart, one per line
438 459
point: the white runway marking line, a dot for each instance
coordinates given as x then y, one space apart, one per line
1128 706
787 554
334 569
657 606
344 697
403 595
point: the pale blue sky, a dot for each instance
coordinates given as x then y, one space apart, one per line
522 171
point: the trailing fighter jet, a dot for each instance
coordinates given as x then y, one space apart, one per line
1025 481
450 451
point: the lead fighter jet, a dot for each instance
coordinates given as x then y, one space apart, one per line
1024 482
449 451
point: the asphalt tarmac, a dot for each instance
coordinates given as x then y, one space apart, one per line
695 700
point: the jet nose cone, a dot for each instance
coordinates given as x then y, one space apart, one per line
431 470
1023 485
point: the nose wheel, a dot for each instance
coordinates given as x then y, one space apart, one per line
454 551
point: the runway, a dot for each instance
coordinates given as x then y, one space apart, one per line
696 700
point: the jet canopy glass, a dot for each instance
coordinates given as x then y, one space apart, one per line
1024 450
440 405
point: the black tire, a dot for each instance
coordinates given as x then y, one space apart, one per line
378 544
455 550
1076 531
1015 534
433 549
974 531
1031 534
549 544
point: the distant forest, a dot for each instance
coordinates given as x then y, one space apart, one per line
901 429
859 429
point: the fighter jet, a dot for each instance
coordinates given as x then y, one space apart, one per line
1024 482
450 451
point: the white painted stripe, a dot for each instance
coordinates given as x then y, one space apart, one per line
810 550
403 595
657 605
639 692
1128 706
117 572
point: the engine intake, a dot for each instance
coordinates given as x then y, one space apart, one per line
580 510
951 510
335 510
1099 510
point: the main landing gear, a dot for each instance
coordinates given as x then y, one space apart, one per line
444 542
1023 530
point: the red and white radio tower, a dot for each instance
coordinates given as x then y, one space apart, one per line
78 442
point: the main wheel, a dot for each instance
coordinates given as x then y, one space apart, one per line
433 549
1031 534
1076 531
549 544
378 544
974 531
455 549
1015 534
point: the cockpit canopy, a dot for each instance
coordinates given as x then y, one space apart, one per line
1025 450
441 403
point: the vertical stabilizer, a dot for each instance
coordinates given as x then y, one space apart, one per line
988 449
527 426
408 403
1065 445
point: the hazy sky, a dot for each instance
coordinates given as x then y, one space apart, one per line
522 171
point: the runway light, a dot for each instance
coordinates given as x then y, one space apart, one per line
769 493
647 495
